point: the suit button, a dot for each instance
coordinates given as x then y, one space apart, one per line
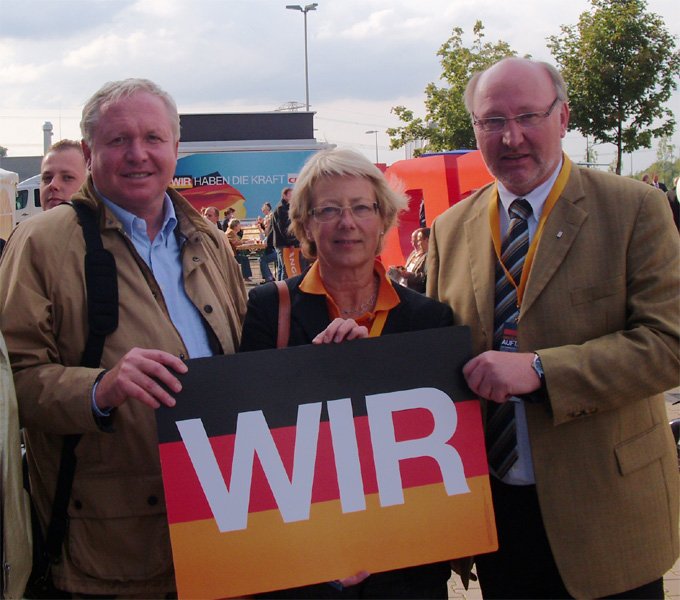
78 504
207 308
152 500
181 355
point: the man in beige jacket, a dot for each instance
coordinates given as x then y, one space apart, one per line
180 296
584 472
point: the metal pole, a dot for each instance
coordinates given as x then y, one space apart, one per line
376 143
304 12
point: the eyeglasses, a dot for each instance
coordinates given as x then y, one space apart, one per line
525 121
326 214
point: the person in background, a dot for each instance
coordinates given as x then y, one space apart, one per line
657 184
282 238
62 172
235 241
213 215
414 274
340 210
394 272
228 216
269 255
575 340
117 543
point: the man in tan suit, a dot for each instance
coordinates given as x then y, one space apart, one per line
586 498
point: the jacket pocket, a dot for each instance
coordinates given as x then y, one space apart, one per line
602 289
642 450
118 528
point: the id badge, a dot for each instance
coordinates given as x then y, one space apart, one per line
509 344
509 341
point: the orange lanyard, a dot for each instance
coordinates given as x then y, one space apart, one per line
378 323
494 220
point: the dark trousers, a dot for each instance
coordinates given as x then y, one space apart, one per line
523 566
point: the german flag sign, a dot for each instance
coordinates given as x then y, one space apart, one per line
302 465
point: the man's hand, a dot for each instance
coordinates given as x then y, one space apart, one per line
134 377
498 376
339 330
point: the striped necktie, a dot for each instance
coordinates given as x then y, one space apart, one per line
501 436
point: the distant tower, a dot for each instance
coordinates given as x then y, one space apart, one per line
47 136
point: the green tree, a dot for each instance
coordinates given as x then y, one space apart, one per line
665 166
447 125
3 152
620 66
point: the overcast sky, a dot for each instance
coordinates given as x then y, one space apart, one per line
365 56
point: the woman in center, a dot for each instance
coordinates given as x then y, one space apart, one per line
340 211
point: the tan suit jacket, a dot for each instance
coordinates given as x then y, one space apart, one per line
602 309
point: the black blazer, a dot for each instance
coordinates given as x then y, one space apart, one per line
309 315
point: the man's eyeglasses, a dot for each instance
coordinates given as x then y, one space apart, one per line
525 121
326 214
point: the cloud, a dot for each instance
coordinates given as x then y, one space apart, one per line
55 19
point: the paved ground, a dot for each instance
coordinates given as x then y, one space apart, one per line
671 579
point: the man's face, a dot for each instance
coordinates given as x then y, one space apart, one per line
212 216
61 174
521 159
133 154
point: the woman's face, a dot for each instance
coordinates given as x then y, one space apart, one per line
346 241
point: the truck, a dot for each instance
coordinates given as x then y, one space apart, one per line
28 199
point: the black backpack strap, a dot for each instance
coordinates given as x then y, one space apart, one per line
101 280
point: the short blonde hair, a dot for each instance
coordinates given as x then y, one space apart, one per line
345 163
114 91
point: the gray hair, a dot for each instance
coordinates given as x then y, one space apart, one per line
553 73
347 163
113 91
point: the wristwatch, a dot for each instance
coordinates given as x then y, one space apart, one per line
538 367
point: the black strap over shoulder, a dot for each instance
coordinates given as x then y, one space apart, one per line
101 280
102 288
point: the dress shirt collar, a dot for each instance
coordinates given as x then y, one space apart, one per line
133 225
535 197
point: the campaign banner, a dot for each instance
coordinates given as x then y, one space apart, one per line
309 464
243 181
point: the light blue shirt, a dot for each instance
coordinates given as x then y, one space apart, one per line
164 259
522 472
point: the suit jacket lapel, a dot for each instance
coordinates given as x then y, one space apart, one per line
308 314
482 260
561 229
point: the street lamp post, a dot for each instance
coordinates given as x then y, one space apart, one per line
304 11
376 143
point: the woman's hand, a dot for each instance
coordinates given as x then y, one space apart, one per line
339 330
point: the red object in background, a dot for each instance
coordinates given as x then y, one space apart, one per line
442 180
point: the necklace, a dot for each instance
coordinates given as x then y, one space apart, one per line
366 306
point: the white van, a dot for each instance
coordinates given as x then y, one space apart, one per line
28 199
